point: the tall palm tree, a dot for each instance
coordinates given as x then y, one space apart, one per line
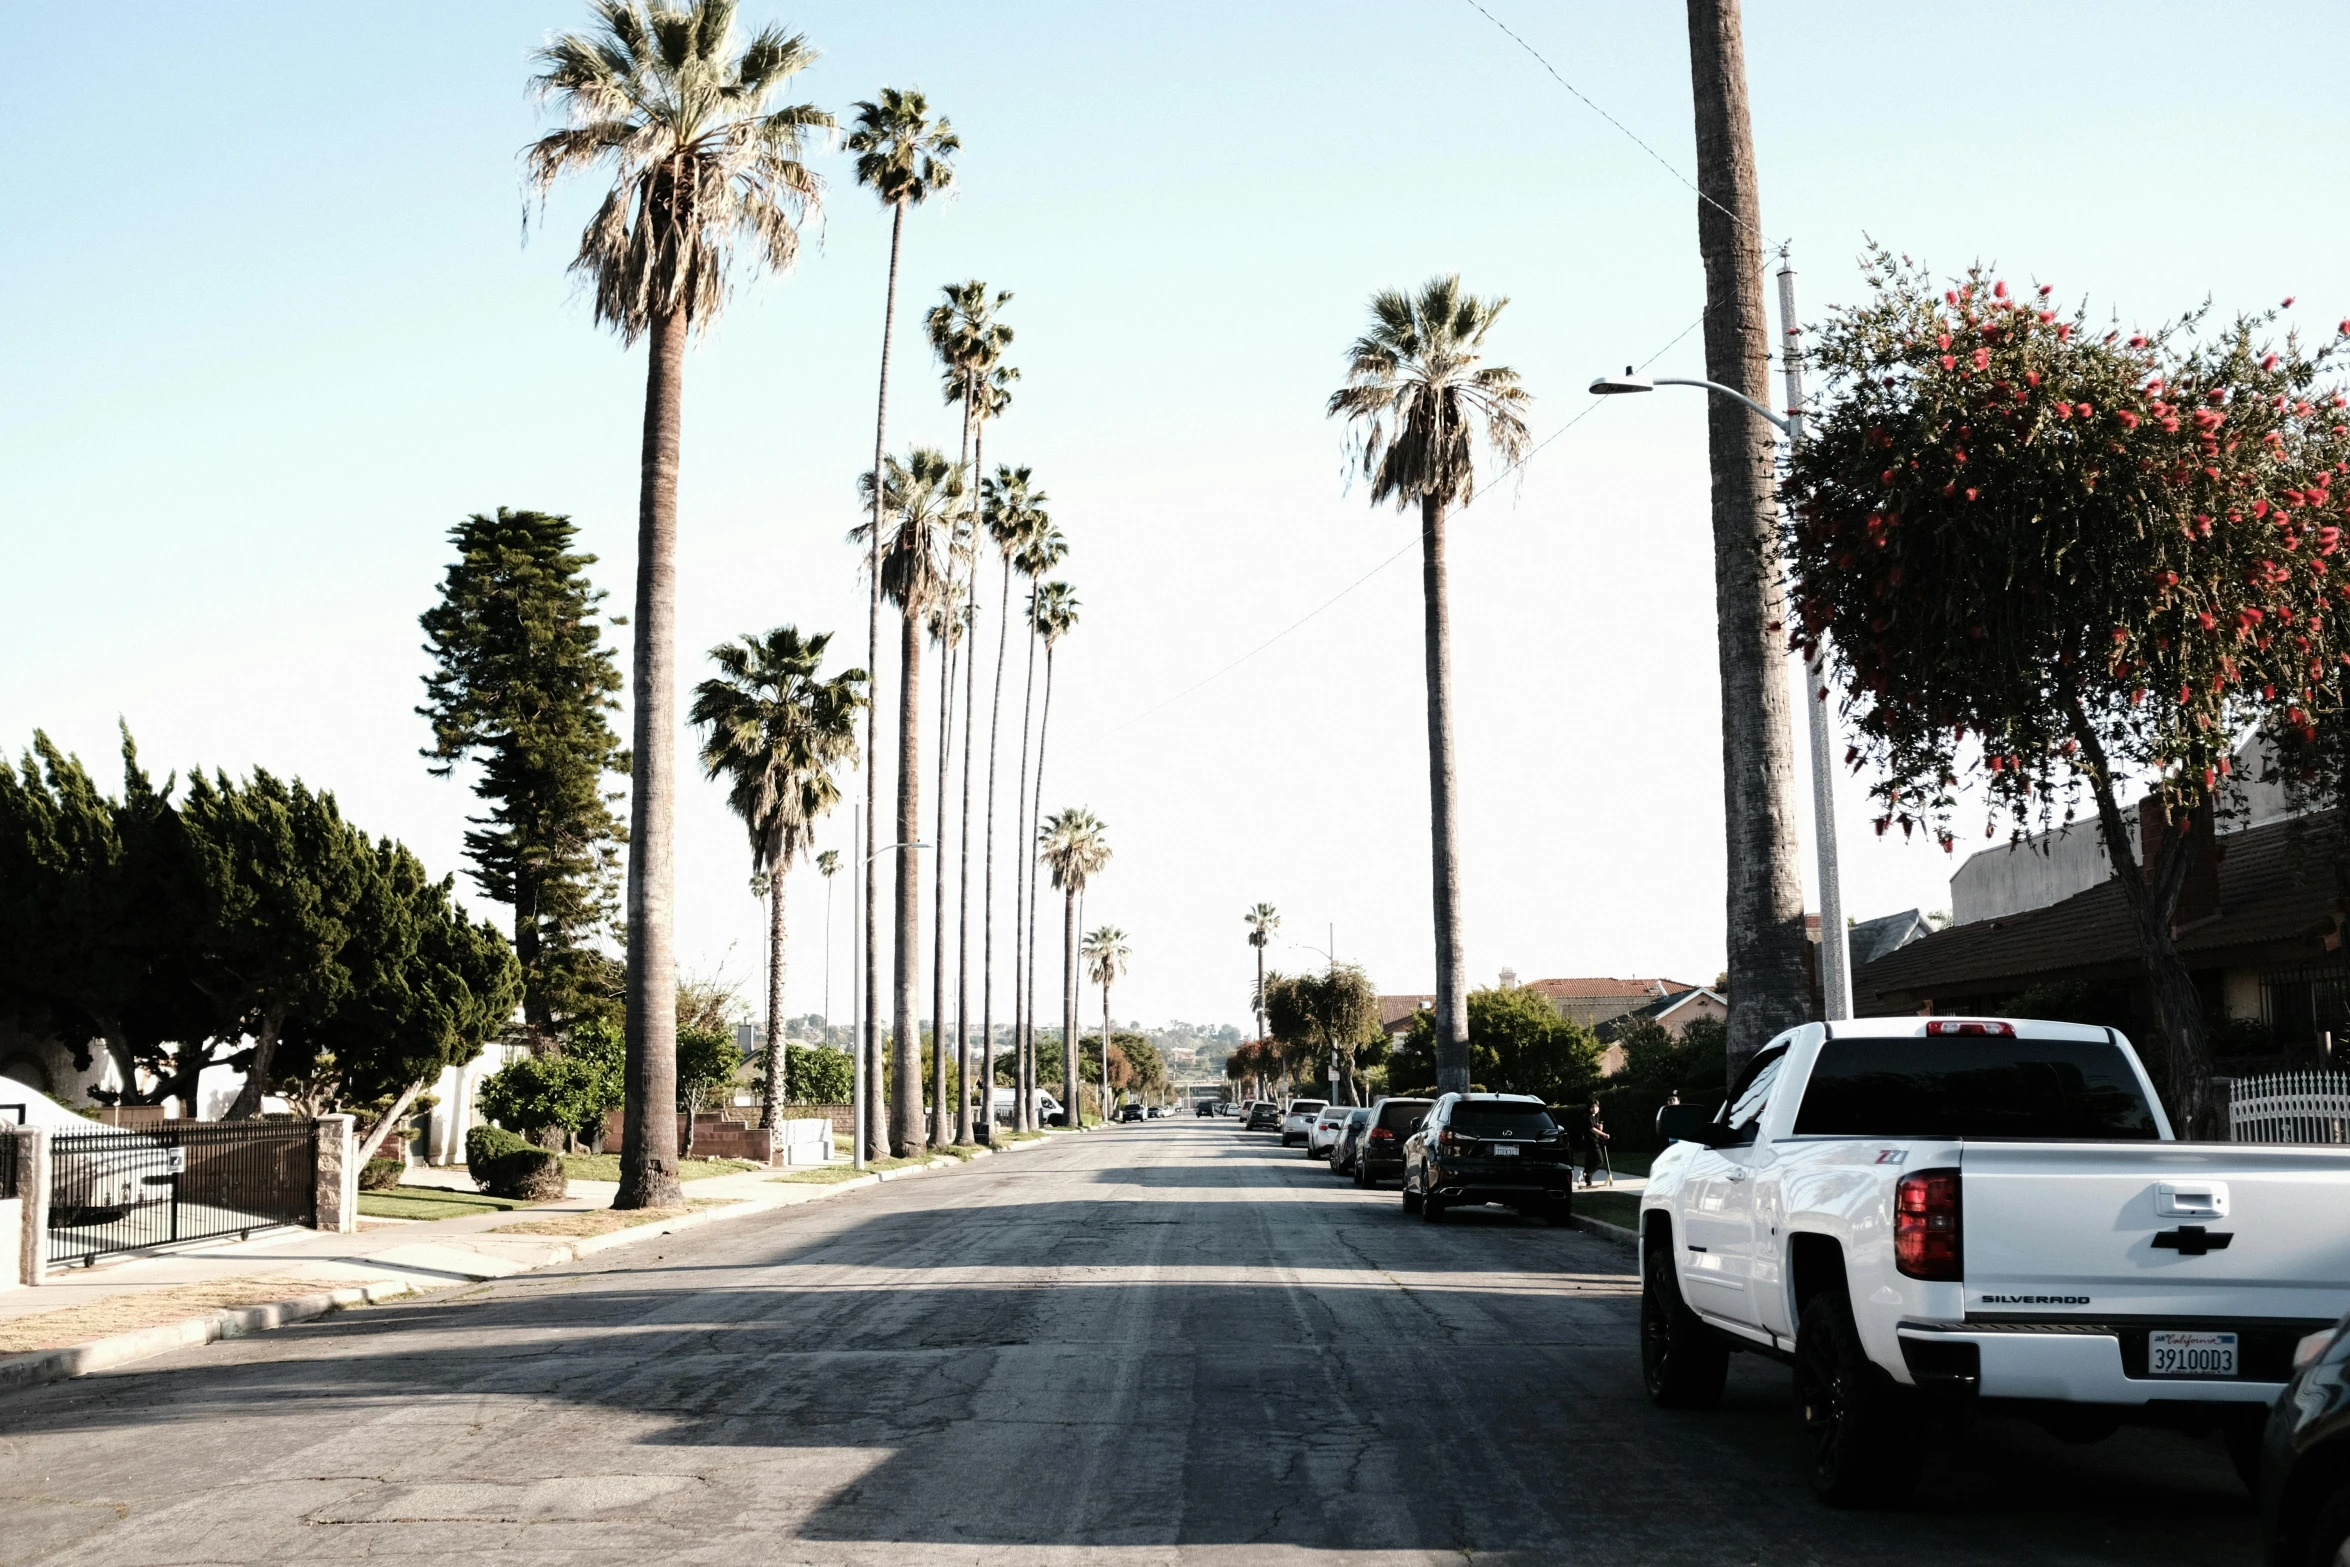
993 398
1014 515
1052 612
701 164
1416 393
1105 960
969 342
828 866
905 157
948 620
1044 549
1765 941
1262 921
1076 846
917 506
775 730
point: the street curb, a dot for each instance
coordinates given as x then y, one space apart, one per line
37 1368
57 1365
1613 1234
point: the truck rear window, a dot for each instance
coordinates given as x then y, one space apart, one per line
1975 1086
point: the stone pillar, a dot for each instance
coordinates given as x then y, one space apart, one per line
338 1175
33 1177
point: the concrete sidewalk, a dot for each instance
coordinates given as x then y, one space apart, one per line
84 1320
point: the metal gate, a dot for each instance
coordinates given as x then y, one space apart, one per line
2290 1107
116 1190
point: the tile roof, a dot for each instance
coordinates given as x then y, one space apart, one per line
1399 1009
1596 989
2269 892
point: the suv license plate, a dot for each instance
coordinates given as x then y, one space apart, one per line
2176 1354
1506 1150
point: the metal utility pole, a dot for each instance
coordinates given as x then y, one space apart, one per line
857 997
1835 940
1764 925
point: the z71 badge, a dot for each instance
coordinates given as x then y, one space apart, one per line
1892 1155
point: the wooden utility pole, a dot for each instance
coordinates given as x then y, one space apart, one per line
1768 988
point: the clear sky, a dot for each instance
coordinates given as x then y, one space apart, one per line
273 330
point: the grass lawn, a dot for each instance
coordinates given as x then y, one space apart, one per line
1619 1208
603 1221
830 1174
430 1202
606 1167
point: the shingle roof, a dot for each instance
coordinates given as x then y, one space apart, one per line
2268 893
1398 1009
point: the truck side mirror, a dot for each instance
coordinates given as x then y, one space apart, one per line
1691 1124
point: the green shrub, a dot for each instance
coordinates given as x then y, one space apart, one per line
382 1173
505 1165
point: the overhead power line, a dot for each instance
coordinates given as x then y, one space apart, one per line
1584 98
1408 546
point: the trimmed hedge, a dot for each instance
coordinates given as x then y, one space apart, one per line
505 1165
382 1173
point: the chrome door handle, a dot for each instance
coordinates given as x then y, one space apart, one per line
1734 1174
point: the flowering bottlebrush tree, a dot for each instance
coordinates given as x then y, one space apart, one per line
2050 561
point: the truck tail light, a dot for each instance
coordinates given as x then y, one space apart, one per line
1927 1238
1945 1025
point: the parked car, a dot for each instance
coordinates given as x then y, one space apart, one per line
1206 1109
1323 1131
1128 1112
2305 1457
1988 1211
1349 1140
94 1186
1297 1120
1007 1099
1380 1157
1263 1116
1479 1148
1162 1112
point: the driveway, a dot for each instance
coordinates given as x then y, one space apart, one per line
1167 1342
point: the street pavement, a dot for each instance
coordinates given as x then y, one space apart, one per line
1161 1343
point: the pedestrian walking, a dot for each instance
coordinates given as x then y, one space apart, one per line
1595 1141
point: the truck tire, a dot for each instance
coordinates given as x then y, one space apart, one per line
1682 1361
1859 1440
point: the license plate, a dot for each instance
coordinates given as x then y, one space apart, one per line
1506 1150
2176 1354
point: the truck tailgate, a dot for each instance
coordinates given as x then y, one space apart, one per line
2190 1230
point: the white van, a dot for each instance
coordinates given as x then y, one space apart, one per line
1007 1099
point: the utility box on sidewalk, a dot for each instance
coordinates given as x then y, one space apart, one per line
806 1141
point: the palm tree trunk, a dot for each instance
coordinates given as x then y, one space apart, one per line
1071 1043
986 1082
939 1107
1024 916
1036 869
1260 987
906 942
1105 1050
1768 988
777 1088
1452 1000
648 1147
876 1128
987 893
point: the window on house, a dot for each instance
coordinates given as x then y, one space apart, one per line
2300 1004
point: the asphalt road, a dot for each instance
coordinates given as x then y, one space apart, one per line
1162 1343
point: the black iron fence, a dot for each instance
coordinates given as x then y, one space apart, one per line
11 1163
115 1190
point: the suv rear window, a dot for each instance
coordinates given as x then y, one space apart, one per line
1974 1086
1306 1107
1396 1114
1501 1120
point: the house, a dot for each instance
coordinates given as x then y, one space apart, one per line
1592 1002
1396 1013
2257 924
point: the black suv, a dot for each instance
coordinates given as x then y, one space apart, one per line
1379 1156
1477 1148
1263 1116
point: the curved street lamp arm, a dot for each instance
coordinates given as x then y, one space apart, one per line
1716 386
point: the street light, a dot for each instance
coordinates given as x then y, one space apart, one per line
1835 944
857 1149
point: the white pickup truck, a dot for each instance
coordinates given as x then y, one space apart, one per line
1983 1212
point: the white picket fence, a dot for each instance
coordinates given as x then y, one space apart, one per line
2290 1107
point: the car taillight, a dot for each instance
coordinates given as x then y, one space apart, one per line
1451 1140
1926 1233
1380 1134
1944 1025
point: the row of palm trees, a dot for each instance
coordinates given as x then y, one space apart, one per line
710 178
